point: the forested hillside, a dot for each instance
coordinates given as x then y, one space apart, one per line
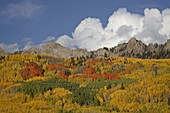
46 84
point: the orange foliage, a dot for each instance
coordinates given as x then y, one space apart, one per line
30 71
93 76
62 75
116 76
52 67
89 71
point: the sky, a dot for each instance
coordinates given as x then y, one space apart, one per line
86 24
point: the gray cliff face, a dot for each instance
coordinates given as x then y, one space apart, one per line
2 52
167 45
32 51
134 48
55 49
137 49
102 53
80 52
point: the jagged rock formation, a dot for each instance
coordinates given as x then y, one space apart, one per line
31 51
55 49
134 48
2 52
80 52
137 49
61 51
102 53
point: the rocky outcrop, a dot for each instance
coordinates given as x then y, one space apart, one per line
2 52
167 45
56 50
80 52
134 48
61 51
31 51
102 53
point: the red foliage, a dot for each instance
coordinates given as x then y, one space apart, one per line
116 76
62 75
30 71
113 76
52 67
89 71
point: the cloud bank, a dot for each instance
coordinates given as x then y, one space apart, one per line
152 27
10 47
25 44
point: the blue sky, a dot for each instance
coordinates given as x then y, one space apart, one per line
35 20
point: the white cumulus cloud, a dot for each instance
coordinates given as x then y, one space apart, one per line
65 41
23 9
89 33
152 27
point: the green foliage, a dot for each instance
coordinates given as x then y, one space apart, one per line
32 88
101 83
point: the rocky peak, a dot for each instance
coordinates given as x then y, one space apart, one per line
135 46
2 52
55 49
31 51
167 45
132 41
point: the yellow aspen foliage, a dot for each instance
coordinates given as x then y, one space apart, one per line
11 108
69 105
59 105
57 93
91 109
37 105
12 88
100 99
14 98
3 85
119 99
83 84
105 88
37 78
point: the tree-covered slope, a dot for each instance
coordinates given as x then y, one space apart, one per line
43 83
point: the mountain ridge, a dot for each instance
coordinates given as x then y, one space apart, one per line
133 48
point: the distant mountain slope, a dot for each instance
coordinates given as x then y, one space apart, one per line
134 48
2 52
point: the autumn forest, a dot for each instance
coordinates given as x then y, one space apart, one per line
42 83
